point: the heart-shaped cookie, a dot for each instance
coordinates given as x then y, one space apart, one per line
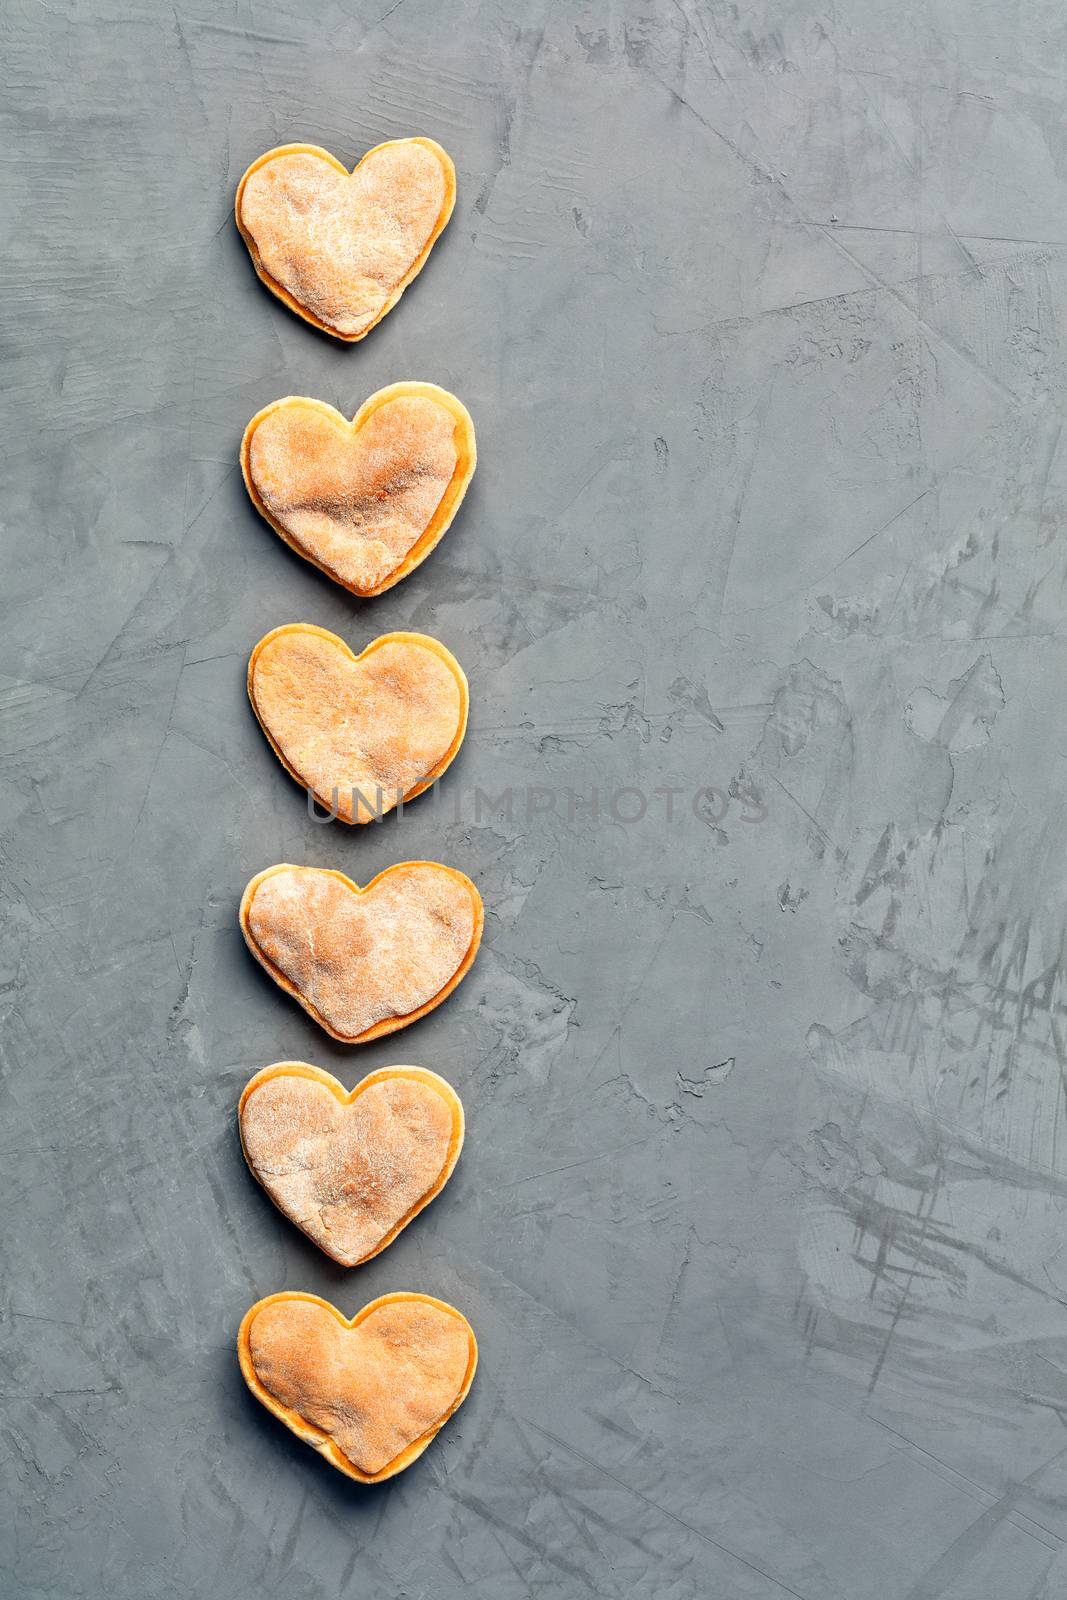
367 1393
341 247
361 733
364 962
365 501
351 1170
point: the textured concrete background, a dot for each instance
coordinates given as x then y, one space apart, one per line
759 311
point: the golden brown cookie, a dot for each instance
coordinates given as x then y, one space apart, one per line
365 732
364 962
350 1169
341 247
365 501
367 1393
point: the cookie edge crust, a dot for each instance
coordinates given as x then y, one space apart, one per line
447 507
449 170
424 641
315 1437
387 1024
347 1097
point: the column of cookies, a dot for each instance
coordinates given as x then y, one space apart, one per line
365 501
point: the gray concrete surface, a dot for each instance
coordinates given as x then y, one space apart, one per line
759 309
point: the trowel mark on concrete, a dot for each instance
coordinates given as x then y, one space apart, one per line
807 702
963 718
707 1080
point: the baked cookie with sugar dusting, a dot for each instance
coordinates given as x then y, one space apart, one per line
368 1392
364 962
363 734
339 247
350 1169
365 501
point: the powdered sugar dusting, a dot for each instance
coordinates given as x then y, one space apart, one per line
346 1174
373 1389
339 243
356 503
359 959
376 727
